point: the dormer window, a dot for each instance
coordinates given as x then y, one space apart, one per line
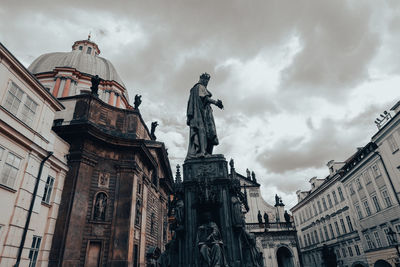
89 50
80 47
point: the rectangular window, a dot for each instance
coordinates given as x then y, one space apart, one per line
349 224
392 144
48 188
34 251
326 232
329 201
370 243
359 213
14 98
367 177
335 197
377 239
319 206
350 251
376 203
312 238
344 253
338 253
315 209
28 111
10 170
386 198
316 236
324 204
376 170
358 252
351 189
388 239
367 209
321 235
337 228
331 230
358 183
340 194
343 226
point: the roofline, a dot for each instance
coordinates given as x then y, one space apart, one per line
5 54
384 126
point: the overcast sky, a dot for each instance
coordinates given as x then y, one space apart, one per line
301 81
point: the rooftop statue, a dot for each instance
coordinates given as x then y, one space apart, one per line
200 119
95 84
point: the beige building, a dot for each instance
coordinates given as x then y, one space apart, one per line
29 150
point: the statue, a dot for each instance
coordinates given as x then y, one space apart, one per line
248 174
100 207
252 255
287 217
277 200
170 255
210 244
259 217
237 215
154 125
95 84
253 176
266 219
138 101
203 134
179 208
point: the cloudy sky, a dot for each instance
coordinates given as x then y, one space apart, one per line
302 81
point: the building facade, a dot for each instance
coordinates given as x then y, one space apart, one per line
276 239
113 208
33 166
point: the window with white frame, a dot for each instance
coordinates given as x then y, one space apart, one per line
357 248
321 235
13 99
370 243
337 229
351 189
367 209
388 239
386 198
28 111
335 197
329 200
392 144
358 183
377 239
34 251
349 224
367 177
324 204
376 203
340 194
343 226
344 253
376 170
350 251
48 189
359 213
10 170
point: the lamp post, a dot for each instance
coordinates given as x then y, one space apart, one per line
393 241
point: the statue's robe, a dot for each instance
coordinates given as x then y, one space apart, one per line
203 134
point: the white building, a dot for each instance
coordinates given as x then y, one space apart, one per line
28 147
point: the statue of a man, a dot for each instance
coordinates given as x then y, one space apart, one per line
210 244
200 119
95 84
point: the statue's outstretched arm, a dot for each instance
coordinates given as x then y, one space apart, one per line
217 102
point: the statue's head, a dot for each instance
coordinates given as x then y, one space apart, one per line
204 78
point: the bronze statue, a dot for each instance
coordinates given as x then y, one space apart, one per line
95 84
253 176
154 125
200 119
259 217
138 101
210 244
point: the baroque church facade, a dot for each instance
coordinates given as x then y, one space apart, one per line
114 202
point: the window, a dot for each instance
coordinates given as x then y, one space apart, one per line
28 111
376 170
349 224
34 251
316 236
388 239
321 235
392 144
340 194
138 213
377 239
376 203
344 253
326 232
386 197
10 170
343 226
370 243
358 183
331 230
89 50
329 201
367 177
335 197
324 203
309 239
358 252
338 253
359 213
367 209
350 251
351 190
312 238
48 188
319 206
315 209
337 228
14 98
80 47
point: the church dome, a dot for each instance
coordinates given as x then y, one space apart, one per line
83 57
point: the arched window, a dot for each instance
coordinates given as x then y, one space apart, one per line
80 47
89 50
100 207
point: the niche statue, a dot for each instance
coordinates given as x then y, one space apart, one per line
95 84
200 119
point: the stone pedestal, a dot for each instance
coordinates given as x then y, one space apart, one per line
207 188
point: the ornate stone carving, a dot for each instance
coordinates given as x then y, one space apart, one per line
100 207
104 180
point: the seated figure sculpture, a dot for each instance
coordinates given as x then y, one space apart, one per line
210 244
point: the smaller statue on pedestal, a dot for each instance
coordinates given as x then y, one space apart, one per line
138 101
259 217
253 176
95 84
154 125
266 219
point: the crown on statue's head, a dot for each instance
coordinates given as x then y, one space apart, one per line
205 76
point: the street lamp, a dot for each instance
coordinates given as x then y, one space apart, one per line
393 241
